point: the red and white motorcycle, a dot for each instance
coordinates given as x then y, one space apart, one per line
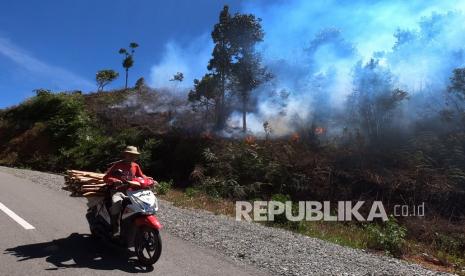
139 227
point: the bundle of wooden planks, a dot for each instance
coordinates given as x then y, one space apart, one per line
87 184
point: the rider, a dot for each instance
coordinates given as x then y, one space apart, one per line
132 174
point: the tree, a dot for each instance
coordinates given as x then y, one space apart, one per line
374 101
128 60
104 77
247 72
42 92
457 84
234 64
204 93
248 75
140 83
456 94
179 76
220 65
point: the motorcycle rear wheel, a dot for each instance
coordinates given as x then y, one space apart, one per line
147 245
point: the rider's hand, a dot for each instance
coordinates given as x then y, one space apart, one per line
134 183
117 182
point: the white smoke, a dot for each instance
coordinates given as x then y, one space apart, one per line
190 59
312 48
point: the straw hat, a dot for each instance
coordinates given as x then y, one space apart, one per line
131 150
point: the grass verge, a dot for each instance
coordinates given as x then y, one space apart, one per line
346 233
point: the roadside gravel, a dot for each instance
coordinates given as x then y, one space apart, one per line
276 251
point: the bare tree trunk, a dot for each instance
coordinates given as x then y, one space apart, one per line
244 121
127 73
220 105
244 114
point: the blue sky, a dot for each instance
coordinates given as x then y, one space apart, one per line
60 45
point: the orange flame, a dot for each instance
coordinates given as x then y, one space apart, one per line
207 135
295 137
250 139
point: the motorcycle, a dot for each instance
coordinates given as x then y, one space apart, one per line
139 227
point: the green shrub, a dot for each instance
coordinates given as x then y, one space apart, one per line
281 218
164 187
453 243
281 198
390 237
213 187
191 192
146 159
44 129
219 187
92 152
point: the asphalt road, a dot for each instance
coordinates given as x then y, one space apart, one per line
60 244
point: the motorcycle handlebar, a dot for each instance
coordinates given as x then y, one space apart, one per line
124 183
117 186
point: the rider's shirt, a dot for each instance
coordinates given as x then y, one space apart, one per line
131 171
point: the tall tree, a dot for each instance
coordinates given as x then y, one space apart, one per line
220 65
128 60
104 77
235 64
247 72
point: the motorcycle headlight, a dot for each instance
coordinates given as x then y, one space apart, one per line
150 209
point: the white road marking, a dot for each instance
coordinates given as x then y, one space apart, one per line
16 218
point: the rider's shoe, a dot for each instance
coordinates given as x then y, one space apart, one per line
116 239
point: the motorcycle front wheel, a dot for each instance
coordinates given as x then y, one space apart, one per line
147 245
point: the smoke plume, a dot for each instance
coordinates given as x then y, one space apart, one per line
314 47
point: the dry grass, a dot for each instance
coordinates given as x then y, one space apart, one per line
200 201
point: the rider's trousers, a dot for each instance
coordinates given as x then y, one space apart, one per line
117 203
